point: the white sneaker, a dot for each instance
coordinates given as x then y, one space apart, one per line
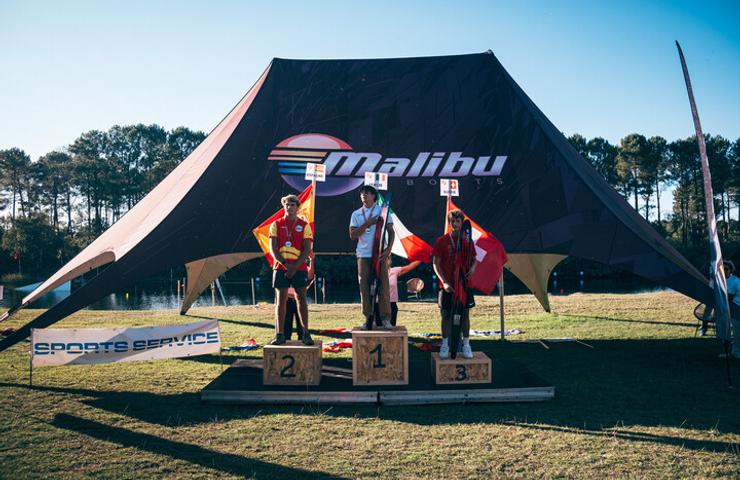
444 351
387 324
467 351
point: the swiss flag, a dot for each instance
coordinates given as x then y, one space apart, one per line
490 256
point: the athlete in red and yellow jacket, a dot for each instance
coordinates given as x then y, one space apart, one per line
291 242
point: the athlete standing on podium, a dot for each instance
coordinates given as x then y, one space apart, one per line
291 242
362 227
444 266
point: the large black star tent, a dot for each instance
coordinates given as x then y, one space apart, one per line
417 119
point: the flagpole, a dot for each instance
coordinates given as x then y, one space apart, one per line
722 306
313 208
501 304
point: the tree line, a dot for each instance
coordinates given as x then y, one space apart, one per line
59 203
641 168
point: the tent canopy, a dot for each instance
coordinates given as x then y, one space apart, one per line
417 119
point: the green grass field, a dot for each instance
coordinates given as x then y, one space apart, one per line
650 400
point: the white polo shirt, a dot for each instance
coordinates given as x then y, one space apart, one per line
365 242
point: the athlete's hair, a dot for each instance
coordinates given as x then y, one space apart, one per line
369 189
290 198
455 214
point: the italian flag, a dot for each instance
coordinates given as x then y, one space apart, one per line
405 243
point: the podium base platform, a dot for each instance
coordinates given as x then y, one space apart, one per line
242 383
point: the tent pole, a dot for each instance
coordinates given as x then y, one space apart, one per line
501 304
254 302
220 291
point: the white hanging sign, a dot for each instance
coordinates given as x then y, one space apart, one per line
316 171
377 180
449 187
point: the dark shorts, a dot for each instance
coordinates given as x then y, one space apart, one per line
444 302
299 279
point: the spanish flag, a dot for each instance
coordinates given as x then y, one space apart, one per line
305 212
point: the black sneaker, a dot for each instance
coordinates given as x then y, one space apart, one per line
307 340
279 339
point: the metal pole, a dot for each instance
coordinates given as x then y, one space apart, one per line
254 301
213 295
220 291
315 290
501 304
30 363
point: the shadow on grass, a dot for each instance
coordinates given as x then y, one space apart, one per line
700 445
602 391
224 462
627 320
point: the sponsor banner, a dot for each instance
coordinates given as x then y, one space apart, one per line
107 345
345 167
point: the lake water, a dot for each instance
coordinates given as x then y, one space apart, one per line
163 295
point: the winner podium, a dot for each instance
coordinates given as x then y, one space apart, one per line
380 357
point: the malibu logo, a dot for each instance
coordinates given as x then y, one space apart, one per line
345 168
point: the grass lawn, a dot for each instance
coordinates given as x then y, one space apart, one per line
650 400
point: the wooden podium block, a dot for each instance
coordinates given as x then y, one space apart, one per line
461 370
380 357
292 364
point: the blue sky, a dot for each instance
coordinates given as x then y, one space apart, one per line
598 68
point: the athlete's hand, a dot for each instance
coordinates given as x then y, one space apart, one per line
447 287
290 271
371 221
